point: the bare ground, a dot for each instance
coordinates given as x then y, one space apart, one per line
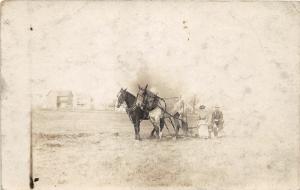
97 149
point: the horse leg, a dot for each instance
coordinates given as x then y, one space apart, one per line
152 133
151 119
162 124
137 127
157 124
154 128
176 123
157 129
135 131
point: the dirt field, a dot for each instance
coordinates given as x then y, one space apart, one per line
88 149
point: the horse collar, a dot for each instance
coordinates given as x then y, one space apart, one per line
131 108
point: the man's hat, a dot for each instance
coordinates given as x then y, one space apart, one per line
202 106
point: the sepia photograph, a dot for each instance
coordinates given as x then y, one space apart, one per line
197 95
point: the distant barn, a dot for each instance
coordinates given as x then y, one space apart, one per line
60 100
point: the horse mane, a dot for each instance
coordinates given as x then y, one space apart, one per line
131 95
130 100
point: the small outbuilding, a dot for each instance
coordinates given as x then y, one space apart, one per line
60 100
83 102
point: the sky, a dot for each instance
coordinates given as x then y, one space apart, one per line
227 54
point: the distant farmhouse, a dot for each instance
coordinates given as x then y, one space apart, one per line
60 100
67 100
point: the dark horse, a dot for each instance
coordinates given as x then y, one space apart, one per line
136 114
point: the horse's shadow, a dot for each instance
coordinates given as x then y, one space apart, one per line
169 138
182 138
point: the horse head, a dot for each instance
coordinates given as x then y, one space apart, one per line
121 97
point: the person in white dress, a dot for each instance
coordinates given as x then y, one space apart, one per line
203 122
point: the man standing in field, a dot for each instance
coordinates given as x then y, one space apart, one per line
217 120
203 121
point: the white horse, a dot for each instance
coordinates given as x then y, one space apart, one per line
156 117
155 106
